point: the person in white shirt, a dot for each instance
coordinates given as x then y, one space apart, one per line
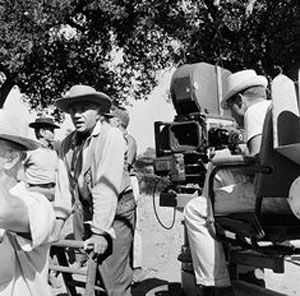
26 218
41 164
245 96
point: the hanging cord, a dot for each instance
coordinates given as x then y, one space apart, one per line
155 209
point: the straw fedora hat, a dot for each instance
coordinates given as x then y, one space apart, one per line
14 130
43 122
240 81
84 93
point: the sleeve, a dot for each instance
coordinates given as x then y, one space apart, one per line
254 121
132 151
41 222
107 184
63 198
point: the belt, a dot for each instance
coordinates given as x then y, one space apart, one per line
46 185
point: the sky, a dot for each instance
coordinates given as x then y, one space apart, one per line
143 114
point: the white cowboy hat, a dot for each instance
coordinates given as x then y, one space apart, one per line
14 130
240 81
84 93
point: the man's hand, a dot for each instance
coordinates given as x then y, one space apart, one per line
97 243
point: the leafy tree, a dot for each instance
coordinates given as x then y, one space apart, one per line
46 46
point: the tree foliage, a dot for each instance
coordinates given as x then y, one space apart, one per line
118 46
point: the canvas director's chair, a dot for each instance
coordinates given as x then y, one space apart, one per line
274 220
91 279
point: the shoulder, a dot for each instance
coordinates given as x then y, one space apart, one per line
107 136
68 139
35 202
261 106
130 138
257 112
40 214
111 131
66 142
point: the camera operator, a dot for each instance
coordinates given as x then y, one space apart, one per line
245 96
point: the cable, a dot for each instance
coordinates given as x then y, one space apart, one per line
155 210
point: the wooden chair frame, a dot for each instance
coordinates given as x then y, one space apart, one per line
59 250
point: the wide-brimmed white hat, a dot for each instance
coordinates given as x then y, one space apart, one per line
15 130
240 81
83 93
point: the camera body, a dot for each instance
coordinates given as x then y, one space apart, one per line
184 146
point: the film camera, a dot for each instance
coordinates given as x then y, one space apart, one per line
183 147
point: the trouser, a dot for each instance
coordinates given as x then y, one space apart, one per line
137 238
119 260
232 192
116 266
207 253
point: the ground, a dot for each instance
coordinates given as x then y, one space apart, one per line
160 248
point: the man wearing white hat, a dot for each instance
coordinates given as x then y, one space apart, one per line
245 96
90 180
26 218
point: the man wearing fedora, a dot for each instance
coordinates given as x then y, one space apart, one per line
41 164
119 117
90 181
245 96
26 218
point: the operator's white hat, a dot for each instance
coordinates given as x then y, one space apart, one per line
240 81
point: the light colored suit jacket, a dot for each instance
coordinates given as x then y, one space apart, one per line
100 179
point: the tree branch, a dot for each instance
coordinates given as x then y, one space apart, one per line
249 7
212 6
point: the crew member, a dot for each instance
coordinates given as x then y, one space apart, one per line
26 218
119 117
245 96
90 183
41 164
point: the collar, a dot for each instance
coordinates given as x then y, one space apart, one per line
43 145
257 101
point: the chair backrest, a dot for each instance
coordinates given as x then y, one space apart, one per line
280 151
283 170
279 166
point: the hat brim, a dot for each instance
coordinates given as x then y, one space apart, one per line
258 81
110 114
41 124
27 144
98 98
